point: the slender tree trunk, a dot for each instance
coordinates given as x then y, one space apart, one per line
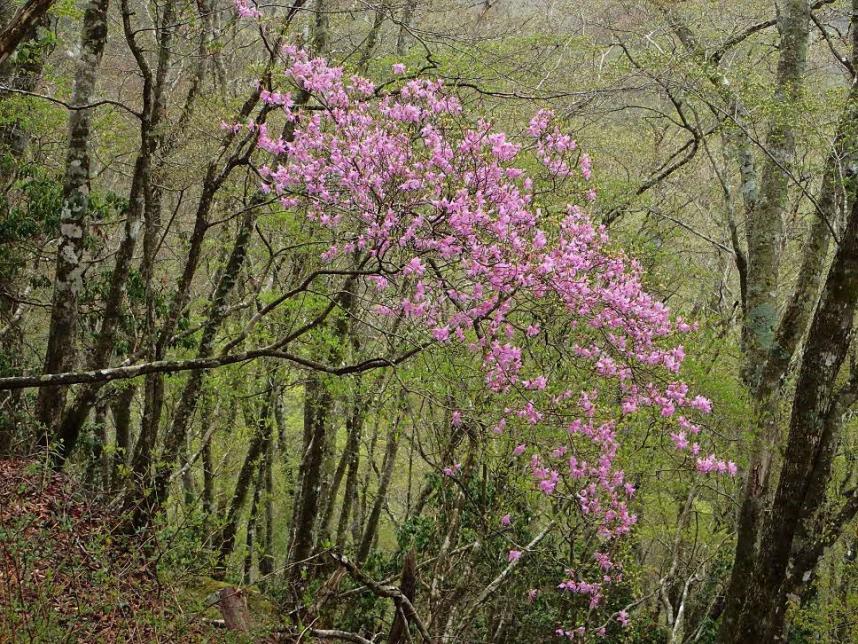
68 279
352 458
153 388
23 74
371 528
74 417
252 524
226 538
405 23
317 405
372 36
408 587
361 497
97 470
331 493
320 28
191 392
266 561
208 481
120 408
439 602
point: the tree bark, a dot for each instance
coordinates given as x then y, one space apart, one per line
814 427
831 207
252 523
68 279
120 408
233 607
765 223
191 392
69 428
24 74
153 389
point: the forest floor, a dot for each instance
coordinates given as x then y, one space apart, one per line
66 576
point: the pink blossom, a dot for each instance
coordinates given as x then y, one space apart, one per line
679 440
452 470
246 10
406 180
441 333
506 520
514 555
414 267
702 404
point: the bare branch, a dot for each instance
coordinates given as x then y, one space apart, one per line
69 106
384 591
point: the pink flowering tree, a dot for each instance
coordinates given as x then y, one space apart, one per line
479 244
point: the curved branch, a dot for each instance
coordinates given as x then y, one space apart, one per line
69 106
193 364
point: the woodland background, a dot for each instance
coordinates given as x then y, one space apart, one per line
723 138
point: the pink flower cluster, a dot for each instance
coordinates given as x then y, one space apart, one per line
247 10
456 235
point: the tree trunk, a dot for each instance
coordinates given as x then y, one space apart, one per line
381 495
320 28
317 404
97 467
23 74
252 521
68 279
408 587
266 561
814 429
831 207
233 607
190 394
352 457
208 480
372 36
153 388
120 408
405 23
765 223
225 541
20 24
72 420
349 454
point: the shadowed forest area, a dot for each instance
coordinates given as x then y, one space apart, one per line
441 321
